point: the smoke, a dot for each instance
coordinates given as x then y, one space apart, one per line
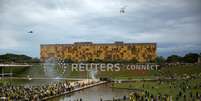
50 68
93 73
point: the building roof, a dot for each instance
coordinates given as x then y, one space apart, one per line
91 43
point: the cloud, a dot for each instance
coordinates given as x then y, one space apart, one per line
7 41
172 23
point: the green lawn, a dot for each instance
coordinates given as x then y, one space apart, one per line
171 88
37 70
181 70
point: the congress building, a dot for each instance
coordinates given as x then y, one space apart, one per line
103 52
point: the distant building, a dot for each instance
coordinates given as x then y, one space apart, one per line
88 51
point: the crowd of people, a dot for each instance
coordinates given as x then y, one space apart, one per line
40 92
185 91
150 97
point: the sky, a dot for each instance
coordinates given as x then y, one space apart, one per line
175 25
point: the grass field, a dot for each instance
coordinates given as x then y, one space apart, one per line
189 69
179 88
37 70
176 71
171 88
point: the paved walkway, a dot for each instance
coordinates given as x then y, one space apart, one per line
15 65
42 78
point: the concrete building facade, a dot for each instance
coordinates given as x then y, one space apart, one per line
88 51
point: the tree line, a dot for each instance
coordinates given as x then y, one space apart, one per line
187 58
15 58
